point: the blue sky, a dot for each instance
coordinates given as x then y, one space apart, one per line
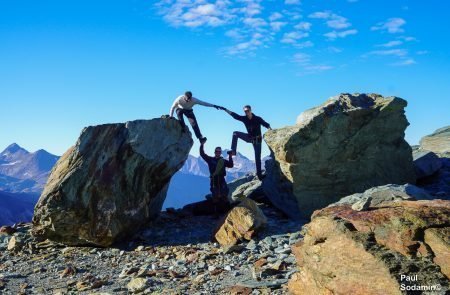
65 65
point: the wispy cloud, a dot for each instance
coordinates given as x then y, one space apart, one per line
304 61
342 34
391 44
392 25
405 62
195 13
251 26
338 23
394 52
293 37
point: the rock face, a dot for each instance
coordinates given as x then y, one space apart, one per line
347 145
437 142
350 252
240 223
111 182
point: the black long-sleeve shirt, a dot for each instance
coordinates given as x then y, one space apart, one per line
212 162
252 125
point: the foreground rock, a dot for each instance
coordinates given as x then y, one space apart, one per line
346 145
437 142
377 196
240 223
370 252
111 182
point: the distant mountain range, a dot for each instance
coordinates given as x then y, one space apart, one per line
23 176
24 172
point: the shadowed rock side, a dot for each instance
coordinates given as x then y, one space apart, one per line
113 181
347 145
366 252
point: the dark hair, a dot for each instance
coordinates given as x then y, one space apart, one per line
218 147
188 94
247 107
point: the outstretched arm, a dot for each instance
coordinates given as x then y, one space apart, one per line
203 154
234 115
264 123
203 103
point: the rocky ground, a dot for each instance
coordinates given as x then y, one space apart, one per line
175 255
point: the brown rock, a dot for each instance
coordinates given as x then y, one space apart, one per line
260 263
240 290
365 252
240 223
15 244
439 241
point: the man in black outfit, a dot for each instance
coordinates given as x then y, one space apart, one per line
219 203
217 165
253 125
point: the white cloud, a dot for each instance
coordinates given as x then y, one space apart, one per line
245 47
342 34
407 38
292 37
318 68
392 25
305 44
406 62
276 26
234 33
320 15
304 61
335 22
301 58
275 16
394 52
195 13
422 52
305 26
338 22
291 2
391 44
333 49
255 22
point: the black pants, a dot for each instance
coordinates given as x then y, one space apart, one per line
256 142
219 188
191 117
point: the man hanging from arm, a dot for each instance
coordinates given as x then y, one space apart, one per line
253 125
183 105
219 189
218 185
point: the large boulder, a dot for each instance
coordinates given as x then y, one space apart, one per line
390 249
437 142
346 145
240 223
113 181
